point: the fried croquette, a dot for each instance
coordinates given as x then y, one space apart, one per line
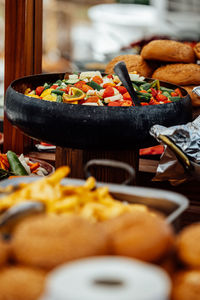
21 283
188 245
180 74
167 50
197 50
195 99
139 234
50 240
186 285
133 63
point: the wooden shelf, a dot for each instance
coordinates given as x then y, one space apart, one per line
47 156
145 165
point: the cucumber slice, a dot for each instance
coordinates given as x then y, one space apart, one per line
138 82
59 99
94 85
72 81
164 89
145 86
174 99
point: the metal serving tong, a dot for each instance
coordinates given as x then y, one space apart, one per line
190 168
16 213
196 90
122 72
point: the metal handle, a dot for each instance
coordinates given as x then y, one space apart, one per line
183 159
196 90
113 164
16 213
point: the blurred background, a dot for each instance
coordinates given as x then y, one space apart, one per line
86 34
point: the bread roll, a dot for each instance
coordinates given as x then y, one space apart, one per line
50 240
139 234
21 283
195 99
186 285
188 245
3 253
167 50
180 74
133 63
197 50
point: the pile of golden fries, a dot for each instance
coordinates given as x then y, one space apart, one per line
95 204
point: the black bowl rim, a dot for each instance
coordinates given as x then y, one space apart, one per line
36 100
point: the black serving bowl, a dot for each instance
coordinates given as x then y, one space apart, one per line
89 127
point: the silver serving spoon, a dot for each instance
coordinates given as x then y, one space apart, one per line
196 90
122 72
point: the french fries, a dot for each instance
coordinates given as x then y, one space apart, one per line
85 201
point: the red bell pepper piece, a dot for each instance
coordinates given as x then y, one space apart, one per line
126 96
109 84
153 101
79 84
161 97
121 89
39 90
109 92
174 94
127 103
85 88
178 91
92 99
54 86
97 79
154 92
34 166
45 144
144 103
115 103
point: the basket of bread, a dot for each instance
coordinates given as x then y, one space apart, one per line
75 219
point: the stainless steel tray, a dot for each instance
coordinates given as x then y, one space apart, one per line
169 203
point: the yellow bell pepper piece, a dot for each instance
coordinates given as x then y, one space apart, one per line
46 92
34 96
50 98
27 91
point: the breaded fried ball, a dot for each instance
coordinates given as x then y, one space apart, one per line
167 50
180 74
186 285
195 99
197 50
188 245
133 63
50 240
140 235
21 283
3 252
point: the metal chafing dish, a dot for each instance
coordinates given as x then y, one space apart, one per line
168 203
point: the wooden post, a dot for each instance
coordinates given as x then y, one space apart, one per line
23 56
76 160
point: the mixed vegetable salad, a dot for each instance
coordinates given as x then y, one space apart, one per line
12 165
91 88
